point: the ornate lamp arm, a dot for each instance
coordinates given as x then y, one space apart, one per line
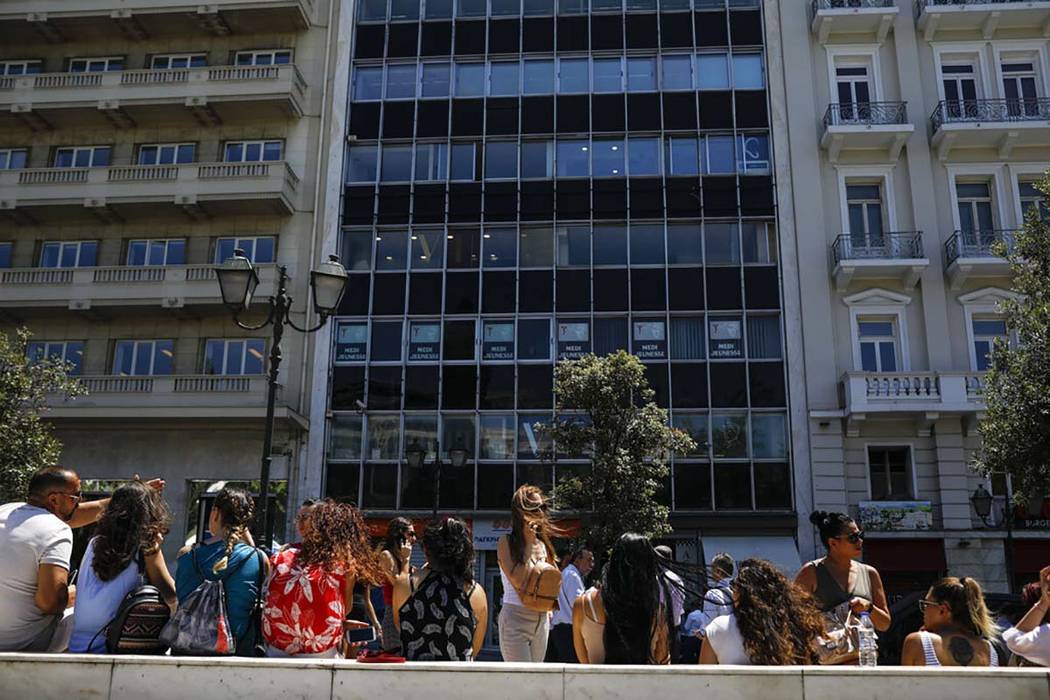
320 324
264 324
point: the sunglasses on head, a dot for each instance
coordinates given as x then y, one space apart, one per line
853 537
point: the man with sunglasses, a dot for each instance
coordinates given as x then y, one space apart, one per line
36 542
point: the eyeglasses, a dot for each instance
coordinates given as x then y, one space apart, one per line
923 604
77 497
853 537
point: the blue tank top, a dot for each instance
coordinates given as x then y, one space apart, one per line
242 587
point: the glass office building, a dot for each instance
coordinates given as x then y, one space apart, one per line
528 181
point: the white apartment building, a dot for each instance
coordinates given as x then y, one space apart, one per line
909 138
141 142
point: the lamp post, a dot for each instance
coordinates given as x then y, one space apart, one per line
237 282
982 505
416 455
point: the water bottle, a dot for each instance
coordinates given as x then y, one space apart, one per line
866 639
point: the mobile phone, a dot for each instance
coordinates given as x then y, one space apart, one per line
361 635
72 578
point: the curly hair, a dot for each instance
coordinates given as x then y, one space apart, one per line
337 537
779 622
450 549
134 520
236 509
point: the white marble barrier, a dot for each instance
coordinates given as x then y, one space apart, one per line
71 676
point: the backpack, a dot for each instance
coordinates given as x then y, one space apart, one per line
201 624
437 621
141 617
542 584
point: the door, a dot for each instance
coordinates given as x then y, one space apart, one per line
1019 89
976 222
864 204
960 91
854 93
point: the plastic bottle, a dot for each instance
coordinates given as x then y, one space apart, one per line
866 638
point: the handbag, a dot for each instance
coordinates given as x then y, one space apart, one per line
840 643
140 619
542 584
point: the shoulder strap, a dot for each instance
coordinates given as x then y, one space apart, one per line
255 619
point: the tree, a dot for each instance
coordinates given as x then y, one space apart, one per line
606 411
26 440
1015 432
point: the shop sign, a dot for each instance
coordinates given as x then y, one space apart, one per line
883 516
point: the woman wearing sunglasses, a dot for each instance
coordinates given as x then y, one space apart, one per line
956 627
838 578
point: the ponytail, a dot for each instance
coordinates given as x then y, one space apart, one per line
236 509
965 600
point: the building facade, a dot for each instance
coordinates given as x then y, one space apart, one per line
140 144
914 139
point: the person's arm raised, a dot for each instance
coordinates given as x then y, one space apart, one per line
158 574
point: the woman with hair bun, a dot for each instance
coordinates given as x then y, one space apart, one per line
957 628
440 610
837 578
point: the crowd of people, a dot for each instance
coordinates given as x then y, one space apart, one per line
313 597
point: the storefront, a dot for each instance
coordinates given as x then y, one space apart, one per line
905 565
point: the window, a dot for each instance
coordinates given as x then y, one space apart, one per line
500 247
167 153
470 8
683 244
536 247
391 250
58 254
470 79
694 425
344 439
752 154
537 159
82 157
258 249
759 242
361 163
462 165
267 57
137 358
853 92
539 77
747 72
156 251
687 338
368 83
718 155
13 158
888 467
351 342
459 341
234 356
505 7
643 156
428 249
573 75
252 151
647 244
436 80
431 161
974 200
1031 198
985 332
768 436
497 341
504 77
864 207
424 341
725 338
501 159
763 337
712 71
21 67
5 254
610 335
384 437
610 244
573 158
682 157
641 74
608 157
649 339
677 73
498 433
437 9
96 65
721 243
373 10
69 351
960 90
574 339
401 81
729 435
386 341
534 339
1019 88
396 165
404 9
170 61
878 344
574 245
608 75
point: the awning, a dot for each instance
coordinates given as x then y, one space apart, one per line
781 551
891 555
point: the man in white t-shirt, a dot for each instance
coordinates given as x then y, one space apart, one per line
572 587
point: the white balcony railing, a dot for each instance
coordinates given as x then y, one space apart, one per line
168 396
903 392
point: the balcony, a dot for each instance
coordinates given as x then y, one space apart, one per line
123 192
57 21
984 16
83 288
170 397
1003 124
978 254
896 255
881 393
866 126
852 17
208 96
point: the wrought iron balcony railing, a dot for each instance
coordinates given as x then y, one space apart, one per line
979 244
866 113
1002 110
883 246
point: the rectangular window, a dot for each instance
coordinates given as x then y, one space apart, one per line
384 437
1031 198
501 160
167 153
536 247
463 162
608 75
351 342
361 163
69 351
138 358
712 71
985 332
82 157
974 201
695 426
470 79
436 80
534 339
63 254
643 156
573 75
100 64
574 339
258 249
498 435
721 244
768 436
537 159
431 161
404 9
729 435
368 83
344 438
500 247
574 245
878 344
574 158
752 154
759 243
864 206
424 341
470 8
5 254
649 339
1020 88
21 67
386 341
684 244
428 249
889 470
641 74
497 341
391 250
252 151
718 155
265 57
763 337
401 81
372 10
681 156
608 157
539 77
156 251
676 73
234 356
960 90
725 338
396 165
610 335
13 158
748 73
504 78
169 61
687 338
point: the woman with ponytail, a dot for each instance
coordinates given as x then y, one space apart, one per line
957 628
227 553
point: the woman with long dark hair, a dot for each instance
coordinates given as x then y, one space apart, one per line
124 551
394 559
523 632
957 629
773 623
624 620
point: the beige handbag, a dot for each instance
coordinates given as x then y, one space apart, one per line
840 643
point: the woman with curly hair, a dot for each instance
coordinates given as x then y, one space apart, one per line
311 585
773 623
440 610
124 550
227 553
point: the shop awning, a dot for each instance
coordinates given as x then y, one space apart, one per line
780 550
891 555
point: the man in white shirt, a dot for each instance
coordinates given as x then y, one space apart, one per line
718 600
1030 638
572 576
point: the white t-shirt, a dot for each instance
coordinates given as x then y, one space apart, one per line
29 536
724 637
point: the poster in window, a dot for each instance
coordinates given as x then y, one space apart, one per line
424 342
351 342
726 339
574 340
650 340
498 341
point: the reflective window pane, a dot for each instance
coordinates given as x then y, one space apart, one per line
610 244
721 244
683 244
574 246
536 247
644 156
537 159
391 250
428 249
695 426
397 164
647 244
431 161
641 74
718 156
470 79
768 436
748 73
498 433
729 435
361 163
435 80
573 75
500 247
608 157
608 75
573 158
712 71
763 337
368 83
503 78
677 73
501 159
687 338
539 77
384 437
461 162
401 81
344 441
682 157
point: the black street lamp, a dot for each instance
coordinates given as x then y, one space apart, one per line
416 455
237 282
982 505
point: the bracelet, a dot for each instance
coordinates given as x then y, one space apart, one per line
150 552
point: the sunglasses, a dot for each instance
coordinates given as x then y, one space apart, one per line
853 537
923 604
77 497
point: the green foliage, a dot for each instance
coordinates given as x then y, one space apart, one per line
1016 429
607 413
26 442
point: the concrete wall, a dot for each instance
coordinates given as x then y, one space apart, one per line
44 677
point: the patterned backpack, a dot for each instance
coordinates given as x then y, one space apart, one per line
437 622
136 627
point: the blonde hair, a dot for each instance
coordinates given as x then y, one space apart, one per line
236 509
965 601
528 508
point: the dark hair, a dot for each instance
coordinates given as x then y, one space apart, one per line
528 508
337 537
449 547
396 530
965 601
1030 595
723 562
830 525
47 480
631 587
236 509
778 621
132 522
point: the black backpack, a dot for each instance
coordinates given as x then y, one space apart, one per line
135 629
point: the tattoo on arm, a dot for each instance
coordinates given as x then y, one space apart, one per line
961 651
